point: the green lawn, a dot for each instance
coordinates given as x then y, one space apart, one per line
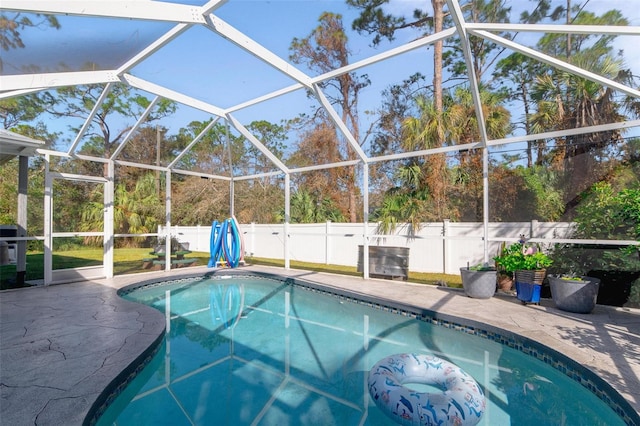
126 261
129 261
415 277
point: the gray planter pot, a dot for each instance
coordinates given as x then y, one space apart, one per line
573 295
478 284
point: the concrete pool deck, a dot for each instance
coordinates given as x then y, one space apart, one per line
62 345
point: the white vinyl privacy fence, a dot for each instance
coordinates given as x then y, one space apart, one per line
436 247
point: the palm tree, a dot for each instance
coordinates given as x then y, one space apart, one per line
463 128
313 208
566 101
426 131
406 203
135 212
426 187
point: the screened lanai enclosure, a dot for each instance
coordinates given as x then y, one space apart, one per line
387 116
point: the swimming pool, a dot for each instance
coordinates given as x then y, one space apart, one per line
255 350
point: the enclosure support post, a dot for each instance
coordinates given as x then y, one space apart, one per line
485 202
365 217
533 229
253 239
21 255
445 246
232 207
287 218
167 203
327 242
48 222
108 239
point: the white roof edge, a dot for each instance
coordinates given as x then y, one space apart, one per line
13 144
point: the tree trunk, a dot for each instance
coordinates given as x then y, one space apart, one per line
436 178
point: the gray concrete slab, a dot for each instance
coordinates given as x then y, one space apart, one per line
61 346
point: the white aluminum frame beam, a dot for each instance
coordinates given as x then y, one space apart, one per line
339 123
48 222
200 174
416 44
141 120
259 175
193 142
14 93
506 141
287 219
52 80
460 23
127 9
346 163
557 63
458 19
238 38
569 132
77 178
247 134
92 114
173 95
555 28
108 238
424 152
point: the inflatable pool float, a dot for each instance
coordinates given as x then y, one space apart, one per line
461 401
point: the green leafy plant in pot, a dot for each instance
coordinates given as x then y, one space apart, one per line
504 277
528 263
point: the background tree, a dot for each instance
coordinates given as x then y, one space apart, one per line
329 186
306 208
20 110
273 137
122 105
387 134
147 146
209 155
326 49
260 200
374 20
196 200
565 101
484 53
462 128
521 71
412 200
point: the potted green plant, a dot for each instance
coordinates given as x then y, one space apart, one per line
528 264
573 293
479 281
504 277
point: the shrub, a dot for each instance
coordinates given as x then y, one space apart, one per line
607 215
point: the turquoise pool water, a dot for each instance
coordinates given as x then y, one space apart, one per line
256 351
